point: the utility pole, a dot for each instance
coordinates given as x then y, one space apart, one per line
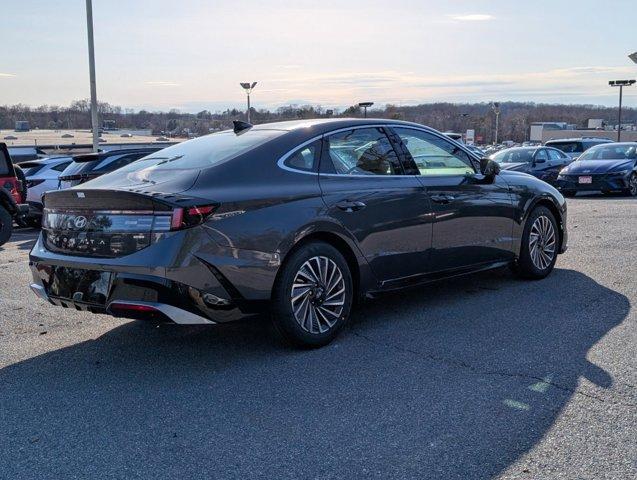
495 106
91 68
621 84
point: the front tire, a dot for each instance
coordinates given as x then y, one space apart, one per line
540 245
632 185
312 296
6 226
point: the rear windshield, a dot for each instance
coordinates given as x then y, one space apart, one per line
77 168
31 169
567 147
204 152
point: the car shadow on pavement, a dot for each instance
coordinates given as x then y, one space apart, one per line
454 380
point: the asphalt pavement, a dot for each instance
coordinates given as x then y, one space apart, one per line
482 377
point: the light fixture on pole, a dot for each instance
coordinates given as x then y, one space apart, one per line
621 84
91 70
247 86
633 57
495 106
365 106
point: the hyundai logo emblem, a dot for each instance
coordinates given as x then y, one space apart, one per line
80 222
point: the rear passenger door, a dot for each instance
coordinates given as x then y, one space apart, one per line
365 189
473 217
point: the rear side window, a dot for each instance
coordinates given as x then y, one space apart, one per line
362 151
555 155
117 161
31 169
61 167
304 158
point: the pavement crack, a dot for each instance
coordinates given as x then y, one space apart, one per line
467 366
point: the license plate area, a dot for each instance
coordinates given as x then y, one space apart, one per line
585 180
77 285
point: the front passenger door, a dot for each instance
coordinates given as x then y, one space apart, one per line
473 218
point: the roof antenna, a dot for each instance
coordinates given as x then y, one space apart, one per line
239 126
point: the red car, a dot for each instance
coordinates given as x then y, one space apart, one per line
12 201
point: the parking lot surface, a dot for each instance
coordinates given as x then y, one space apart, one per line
481 377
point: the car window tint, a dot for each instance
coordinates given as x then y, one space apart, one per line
568 147
304 158
4 165
363 151
541 155
553 155
113 163
61 167
434 155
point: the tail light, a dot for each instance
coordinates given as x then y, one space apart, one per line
190 216
14 186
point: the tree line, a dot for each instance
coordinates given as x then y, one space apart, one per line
515 117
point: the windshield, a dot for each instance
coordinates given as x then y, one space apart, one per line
567 147
514 155
610 152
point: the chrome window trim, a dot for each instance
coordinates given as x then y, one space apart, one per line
423 129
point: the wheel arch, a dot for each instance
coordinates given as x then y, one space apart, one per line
549 203
355 262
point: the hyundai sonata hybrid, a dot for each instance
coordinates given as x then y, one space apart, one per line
299 218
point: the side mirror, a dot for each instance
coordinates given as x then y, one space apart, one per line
539 160
489 168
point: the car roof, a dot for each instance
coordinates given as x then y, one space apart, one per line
326 124
579 139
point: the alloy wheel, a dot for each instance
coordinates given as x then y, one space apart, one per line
318 295
542 242
632 184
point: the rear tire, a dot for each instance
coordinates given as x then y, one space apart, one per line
540 245
312 296
6 226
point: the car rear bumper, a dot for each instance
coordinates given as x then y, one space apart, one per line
174 280
606 182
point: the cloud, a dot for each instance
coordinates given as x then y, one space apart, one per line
159 83
6 75
474 17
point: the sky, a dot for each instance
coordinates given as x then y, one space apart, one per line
191 55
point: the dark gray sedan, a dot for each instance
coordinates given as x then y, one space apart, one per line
296 218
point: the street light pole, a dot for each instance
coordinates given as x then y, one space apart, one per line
247 86
91 68
495 106
365 106
621 84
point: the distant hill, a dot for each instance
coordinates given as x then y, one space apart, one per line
515 117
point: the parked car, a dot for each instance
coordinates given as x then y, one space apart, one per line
88 166
541 162
609 168
41 176
300 218
574 147
24 154
11 195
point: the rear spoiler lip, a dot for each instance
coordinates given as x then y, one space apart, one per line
156 201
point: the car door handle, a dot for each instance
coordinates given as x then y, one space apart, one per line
442 198
350 206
